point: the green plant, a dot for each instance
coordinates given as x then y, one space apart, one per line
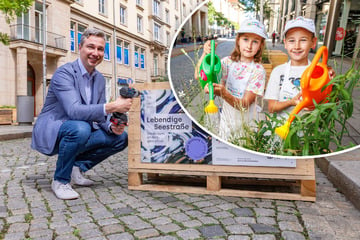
316 132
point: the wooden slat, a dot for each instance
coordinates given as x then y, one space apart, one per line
223 192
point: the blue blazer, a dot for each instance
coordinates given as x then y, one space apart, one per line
66 100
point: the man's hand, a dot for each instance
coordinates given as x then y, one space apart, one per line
117 129
120 105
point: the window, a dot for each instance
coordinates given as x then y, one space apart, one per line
167 38
79 1
157 32
139 24
176 22
155 61
107 89
156 7
126 53
38 22
72 36
119 51
184 10
167 16
81 29
139 2
23 28
176 4
107 47
102 6
76 31
136 56
166 63
142 58
139 57
123 15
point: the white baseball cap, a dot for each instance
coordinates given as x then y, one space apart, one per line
300 22
253 26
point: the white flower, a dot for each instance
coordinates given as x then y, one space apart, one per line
181 94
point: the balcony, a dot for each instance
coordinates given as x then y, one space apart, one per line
158 74
32 38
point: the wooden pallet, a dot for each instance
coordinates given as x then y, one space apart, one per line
242 181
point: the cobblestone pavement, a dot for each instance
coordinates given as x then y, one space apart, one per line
108 210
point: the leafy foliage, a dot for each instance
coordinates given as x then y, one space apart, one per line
254 6
11 9
316 132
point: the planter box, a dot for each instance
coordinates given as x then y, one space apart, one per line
277 57
7 116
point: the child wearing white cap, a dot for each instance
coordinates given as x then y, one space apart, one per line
243 79
283 90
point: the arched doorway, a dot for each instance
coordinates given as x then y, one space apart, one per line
31 83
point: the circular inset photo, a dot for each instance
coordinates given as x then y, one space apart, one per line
266 84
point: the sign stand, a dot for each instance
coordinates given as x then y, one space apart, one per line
241 181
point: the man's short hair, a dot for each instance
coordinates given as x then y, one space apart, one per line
91 32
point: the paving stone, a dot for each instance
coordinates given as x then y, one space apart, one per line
163 238
264 212
192 223
287 217
188 234
266 220
245 220
264 237
289 235
167 228
161 221
180 217
15 236
113 228
238 237
239 229
18 227
222 214
262 228
146 233
243 212
122 236
41 233
212 231
291 226
123 211
208 220
168 199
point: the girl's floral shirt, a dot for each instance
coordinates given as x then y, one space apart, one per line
253 73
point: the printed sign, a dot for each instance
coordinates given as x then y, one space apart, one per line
167 134
340 34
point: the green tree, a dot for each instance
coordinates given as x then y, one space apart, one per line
11 9
254 6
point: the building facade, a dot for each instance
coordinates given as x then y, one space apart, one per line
337 22
138 36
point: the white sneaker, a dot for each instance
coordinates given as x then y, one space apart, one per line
79 179
63 191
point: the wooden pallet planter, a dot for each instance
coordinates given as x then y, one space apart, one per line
6 116
242 181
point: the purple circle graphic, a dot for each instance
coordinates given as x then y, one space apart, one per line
196 148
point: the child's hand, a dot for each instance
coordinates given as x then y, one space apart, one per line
207 47
219 89
332 73
296 100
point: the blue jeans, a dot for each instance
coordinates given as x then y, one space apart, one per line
80 145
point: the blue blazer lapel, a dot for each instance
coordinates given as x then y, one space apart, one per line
79 81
